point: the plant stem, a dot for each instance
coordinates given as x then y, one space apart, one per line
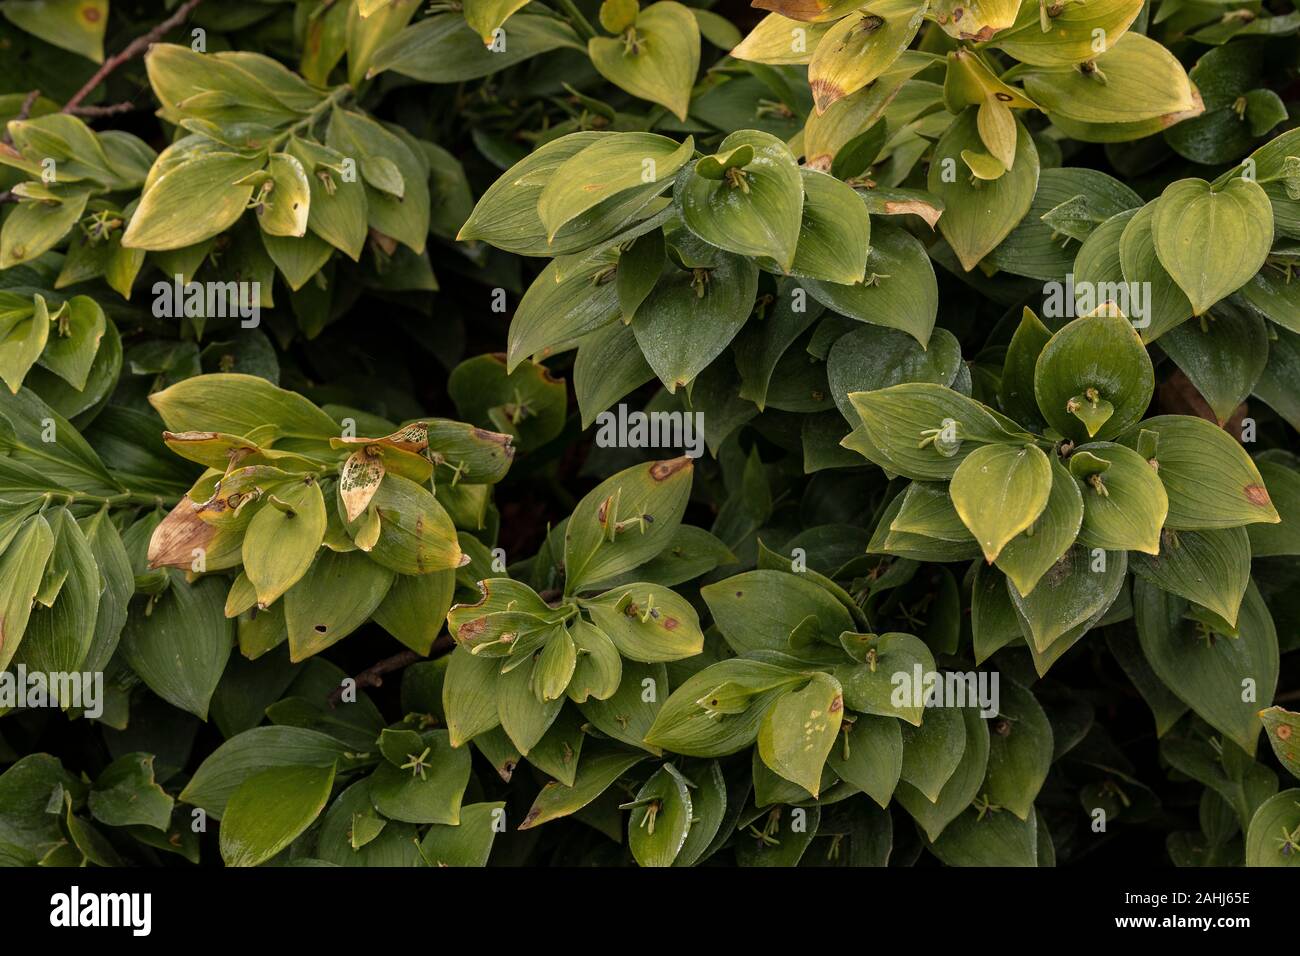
125 498
580 23
307 122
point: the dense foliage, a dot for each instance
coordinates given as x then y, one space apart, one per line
353 339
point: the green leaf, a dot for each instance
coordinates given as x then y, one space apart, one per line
691 316
753 211
1124 506
506 216
76 25
898 292
429 791
36 226
180 648
1094 359
1192 220
1210 480
647 623
527 404
999 491
29 789
1016 389
74 343
762 609
925 431
1073 594
995 838
126 794
416 536
270 810
1210 568
1167 306
525 716
835 233
799 729
237 404
772 40
467 844
1069 205
870 757
1271 839
660 818
599 668
659 62
337 207
555 313
1220 678
245 754
962 785
933 750
596 774
994 624
22 568
337 595
59 637
927 509
415 607
850 129
114 566
469 695
1134 81
872 357
640 265
283 537
194 200
1020 751
875 685
1071 36
24 330
553 667
708 809
979 214
717 711
1223 357
605 169
625 521
406 217
288 203
484 16
628 713
444 48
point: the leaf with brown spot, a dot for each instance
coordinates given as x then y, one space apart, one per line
178 536
359 480
860 48
625 521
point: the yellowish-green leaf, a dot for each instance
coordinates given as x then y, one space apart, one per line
861 47
283 537
999 491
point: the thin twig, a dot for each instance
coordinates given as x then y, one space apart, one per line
23 112
111 110
132 50
373 676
